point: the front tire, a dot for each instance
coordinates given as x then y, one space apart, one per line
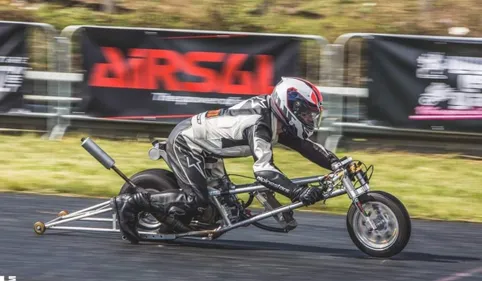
153 181
391 218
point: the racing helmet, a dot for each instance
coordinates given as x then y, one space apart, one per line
297 104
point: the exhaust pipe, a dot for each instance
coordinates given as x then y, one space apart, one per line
101 156
98 153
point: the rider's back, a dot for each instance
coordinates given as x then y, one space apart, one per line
224 133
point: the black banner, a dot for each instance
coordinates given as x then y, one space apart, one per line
13 62
169 76
426 82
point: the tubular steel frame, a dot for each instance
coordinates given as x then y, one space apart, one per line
88 214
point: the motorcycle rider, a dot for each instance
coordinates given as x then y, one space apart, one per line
196 148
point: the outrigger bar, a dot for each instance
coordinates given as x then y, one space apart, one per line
103 158
87 213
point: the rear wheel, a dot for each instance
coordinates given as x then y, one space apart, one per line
392 221
153 181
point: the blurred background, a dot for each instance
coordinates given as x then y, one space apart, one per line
401 82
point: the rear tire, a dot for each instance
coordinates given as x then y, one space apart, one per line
394 230
153 181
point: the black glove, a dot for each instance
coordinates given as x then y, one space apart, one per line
310 195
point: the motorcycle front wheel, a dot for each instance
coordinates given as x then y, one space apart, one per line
392 221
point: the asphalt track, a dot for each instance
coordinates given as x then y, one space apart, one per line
319 249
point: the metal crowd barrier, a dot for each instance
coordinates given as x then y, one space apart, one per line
52 103
56 109
46 83
314 50
40 41
348 73
314 45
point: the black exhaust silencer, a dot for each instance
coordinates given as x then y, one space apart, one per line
97 153
105 159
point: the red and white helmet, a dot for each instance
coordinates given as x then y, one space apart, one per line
297 104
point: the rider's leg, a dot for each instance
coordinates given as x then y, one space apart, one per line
216 172
169 206
188 164
217 175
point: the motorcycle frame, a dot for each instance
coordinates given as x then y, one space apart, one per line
88 214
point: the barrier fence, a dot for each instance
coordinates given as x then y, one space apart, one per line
25 49
145 80
157 69
416 82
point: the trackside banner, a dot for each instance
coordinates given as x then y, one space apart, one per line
426 83
13 63
169 76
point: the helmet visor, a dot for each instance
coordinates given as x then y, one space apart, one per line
305 111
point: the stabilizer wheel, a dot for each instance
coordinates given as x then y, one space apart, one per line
62 213
39 228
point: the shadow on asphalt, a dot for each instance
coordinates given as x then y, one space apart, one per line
345 253
287 247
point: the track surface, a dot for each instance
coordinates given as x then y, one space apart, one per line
319 249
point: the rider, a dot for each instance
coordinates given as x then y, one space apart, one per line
196 148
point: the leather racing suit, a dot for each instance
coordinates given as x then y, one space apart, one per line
245 129
196 148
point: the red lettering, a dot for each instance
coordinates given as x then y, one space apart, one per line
126 75
137 63
231 72
165 72
100 72
210 75
265 74
146 68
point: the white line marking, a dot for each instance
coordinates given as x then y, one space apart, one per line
460 275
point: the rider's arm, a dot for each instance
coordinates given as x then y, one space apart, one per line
312 151
259 140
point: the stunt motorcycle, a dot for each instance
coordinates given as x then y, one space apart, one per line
377 222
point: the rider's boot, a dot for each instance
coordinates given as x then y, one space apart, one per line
285 219
127 207
168 207
305 194
175 208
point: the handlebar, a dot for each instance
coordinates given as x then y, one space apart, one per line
346 161
343 161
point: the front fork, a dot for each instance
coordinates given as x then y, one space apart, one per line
353 194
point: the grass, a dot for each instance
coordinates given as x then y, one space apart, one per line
329 18
441 187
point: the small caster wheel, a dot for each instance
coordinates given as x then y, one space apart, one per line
39 228
63 213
